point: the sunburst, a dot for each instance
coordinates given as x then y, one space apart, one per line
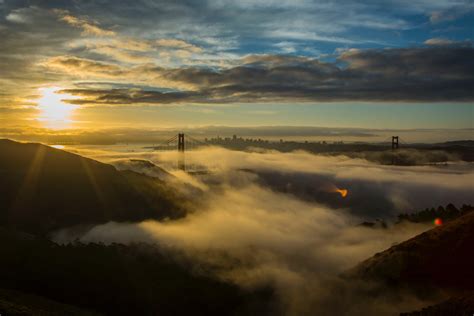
54 112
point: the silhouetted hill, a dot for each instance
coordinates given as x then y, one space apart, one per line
440 259
466 143
145 167
43 188
113 280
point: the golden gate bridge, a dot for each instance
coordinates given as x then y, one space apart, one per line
184 142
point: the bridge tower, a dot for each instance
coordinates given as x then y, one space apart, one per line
394 142
181 162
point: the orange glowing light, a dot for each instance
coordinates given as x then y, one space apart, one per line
342 192
438 221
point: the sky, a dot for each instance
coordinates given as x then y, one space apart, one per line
169 64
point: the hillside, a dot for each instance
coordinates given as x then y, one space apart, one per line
440 257
39 275
439 260
43 188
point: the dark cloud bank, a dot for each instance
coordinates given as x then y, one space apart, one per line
434 73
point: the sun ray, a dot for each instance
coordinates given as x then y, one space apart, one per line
30 181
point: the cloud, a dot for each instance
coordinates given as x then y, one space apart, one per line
195 45
451 13
27 38
125 49
307 36
88 27
176 43
402 74
128 96
199 49
123 55
17 16
439 41
82 67
246 231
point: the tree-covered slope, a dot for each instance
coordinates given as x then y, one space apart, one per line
114 279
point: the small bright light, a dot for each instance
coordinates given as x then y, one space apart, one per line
438 221
55 113
342 192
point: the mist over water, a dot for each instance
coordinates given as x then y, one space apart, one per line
271 219
374 190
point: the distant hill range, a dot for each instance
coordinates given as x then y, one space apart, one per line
407 154
43 189
465 143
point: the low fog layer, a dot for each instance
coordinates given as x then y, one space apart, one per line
274 219
374 191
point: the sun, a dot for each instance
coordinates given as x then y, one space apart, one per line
54 112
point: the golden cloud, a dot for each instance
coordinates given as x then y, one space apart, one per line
82 67
178 44
89 28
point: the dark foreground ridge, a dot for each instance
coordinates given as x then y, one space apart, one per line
39 277
43 189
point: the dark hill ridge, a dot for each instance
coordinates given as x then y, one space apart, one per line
440 260
43 188
42 278
441 257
